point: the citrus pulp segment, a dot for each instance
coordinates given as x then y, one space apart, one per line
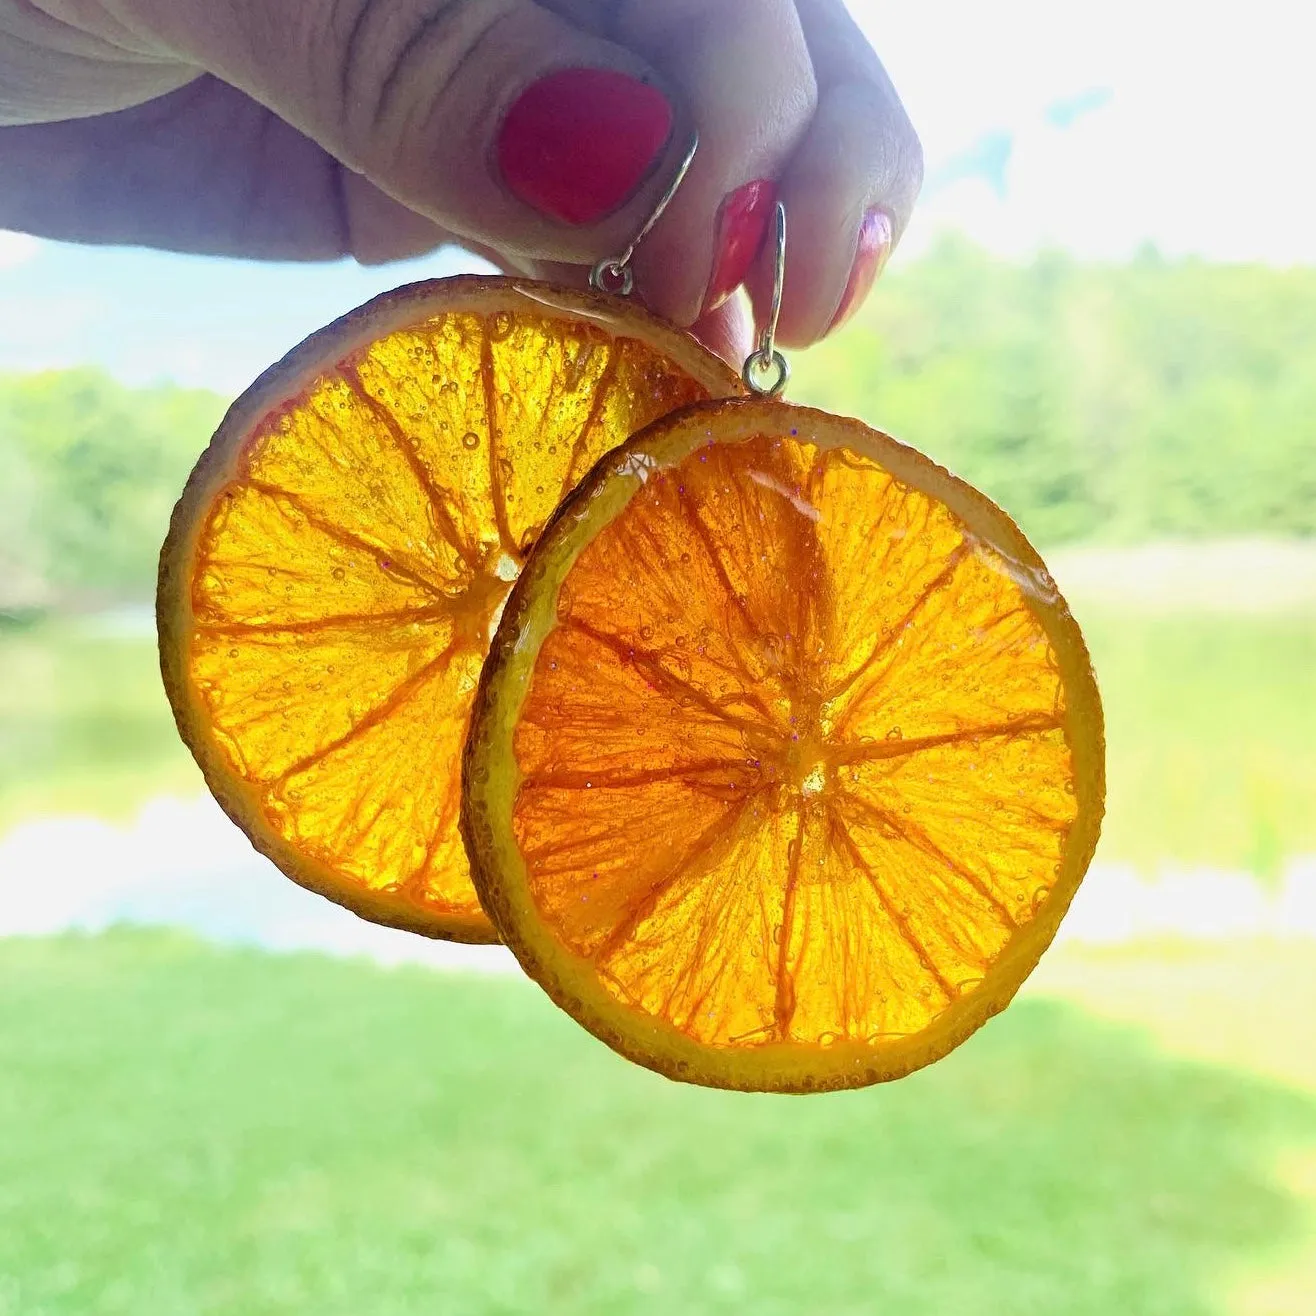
338 559
788 756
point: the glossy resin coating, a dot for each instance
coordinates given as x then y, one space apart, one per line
341 555
795 753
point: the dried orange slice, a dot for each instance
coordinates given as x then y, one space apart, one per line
788 756
340 554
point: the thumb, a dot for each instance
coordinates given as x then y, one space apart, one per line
497 119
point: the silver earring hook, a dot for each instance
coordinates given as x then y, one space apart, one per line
766 371
613 273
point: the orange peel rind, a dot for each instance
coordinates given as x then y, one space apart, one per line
788 757
339 556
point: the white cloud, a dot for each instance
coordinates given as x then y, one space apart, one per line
50 328
16 249
1203 146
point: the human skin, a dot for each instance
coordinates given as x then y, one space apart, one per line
379 129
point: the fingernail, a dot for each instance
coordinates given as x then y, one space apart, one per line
742 224
577 143
875 235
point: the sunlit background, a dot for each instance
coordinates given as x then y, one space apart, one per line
221 1094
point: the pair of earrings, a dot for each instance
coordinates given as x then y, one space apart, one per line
502 611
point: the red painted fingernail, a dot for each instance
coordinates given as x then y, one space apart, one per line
576 143
874 247
742 224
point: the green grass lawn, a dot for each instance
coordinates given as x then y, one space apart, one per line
189 1130
1211 724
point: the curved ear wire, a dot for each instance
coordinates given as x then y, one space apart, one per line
613 273
766 370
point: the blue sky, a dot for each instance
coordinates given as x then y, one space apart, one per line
1093 128
148 316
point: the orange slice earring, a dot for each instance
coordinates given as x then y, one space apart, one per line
788 756
341 552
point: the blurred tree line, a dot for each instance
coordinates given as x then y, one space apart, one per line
89 472
1110 403
1119 403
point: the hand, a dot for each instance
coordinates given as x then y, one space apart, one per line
537 134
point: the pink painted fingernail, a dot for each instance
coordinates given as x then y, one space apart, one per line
578 142
871 254
742 224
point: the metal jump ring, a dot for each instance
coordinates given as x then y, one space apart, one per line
613 274
759 361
